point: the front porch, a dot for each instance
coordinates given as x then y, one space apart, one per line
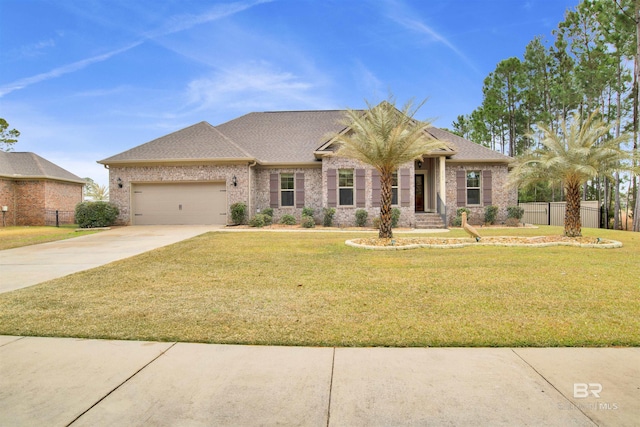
430 193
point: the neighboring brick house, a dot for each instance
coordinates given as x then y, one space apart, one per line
31 188
285 160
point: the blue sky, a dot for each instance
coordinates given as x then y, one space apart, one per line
86 79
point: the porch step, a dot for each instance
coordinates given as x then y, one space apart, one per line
429 220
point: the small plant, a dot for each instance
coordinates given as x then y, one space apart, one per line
395 217
361 217
258 220
96 214
308 221
457 221
490 214
267 212
288 219
238 213
327 219
308 211
376 223
516 212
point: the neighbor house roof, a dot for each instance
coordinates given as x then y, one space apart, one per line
282 137
16 165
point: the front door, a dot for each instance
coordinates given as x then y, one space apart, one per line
419 193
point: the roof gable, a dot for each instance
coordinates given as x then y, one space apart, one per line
25 165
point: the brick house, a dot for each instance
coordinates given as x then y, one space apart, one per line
284 160
32 187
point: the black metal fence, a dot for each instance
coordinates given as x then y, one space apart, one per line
58 218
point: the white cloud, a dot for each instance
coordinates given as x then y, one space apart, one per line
252 84
406 18
60 71
174 25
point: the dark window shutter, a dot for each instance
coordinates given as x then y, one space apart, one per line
360 187
300 190
405 187
332 185
274 182
486 187
461 187
375 189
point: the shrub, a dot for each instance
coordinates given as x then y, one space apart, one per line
308 221
268 219
490 214
238 213
457 221
395 217
376 223
258 220
328 213
96 214
361 217
308 211
516 212
267 212
288 219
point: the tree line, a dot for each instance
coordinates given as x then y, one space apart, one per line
591 64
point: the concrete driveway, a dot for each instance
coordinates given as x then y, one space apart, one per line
30 265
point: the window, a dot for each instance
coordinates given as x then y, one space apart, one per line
394 189
473 187
345 186
286 189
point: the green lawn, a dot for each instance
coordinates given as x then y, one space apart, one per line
311 289
14 237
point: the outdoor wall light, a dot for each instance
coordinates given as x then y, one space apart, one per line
119 183
234 181
419 164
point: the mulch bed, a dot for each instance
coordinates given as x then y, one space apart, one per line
443 242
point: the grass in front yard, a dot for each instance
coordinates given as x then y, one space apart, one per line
15 237
311 289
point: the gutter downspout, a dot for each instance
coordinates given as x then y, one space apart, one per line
250 198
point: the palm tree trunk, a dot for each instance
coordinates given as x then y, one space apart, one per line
572 225
386 183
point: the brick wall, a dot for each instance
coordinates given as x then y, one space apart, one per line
27 200
7 198
121 197
345 216
62 196
501 195
312 192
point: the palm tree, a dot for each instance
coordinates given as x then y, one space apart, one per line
384 137
577 153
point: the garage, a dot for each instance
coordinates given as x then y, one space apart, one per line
179 203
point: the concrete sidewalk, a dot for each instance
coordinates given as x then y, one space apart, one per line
30 265
59 382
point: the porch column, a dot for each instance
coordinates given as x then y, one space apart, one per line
443 176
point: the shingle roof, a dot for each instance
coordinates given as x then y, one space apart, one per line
284 136
467 151
18 165
197 142
270 137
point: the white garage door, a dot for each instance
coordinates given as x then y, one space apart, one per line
179 203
